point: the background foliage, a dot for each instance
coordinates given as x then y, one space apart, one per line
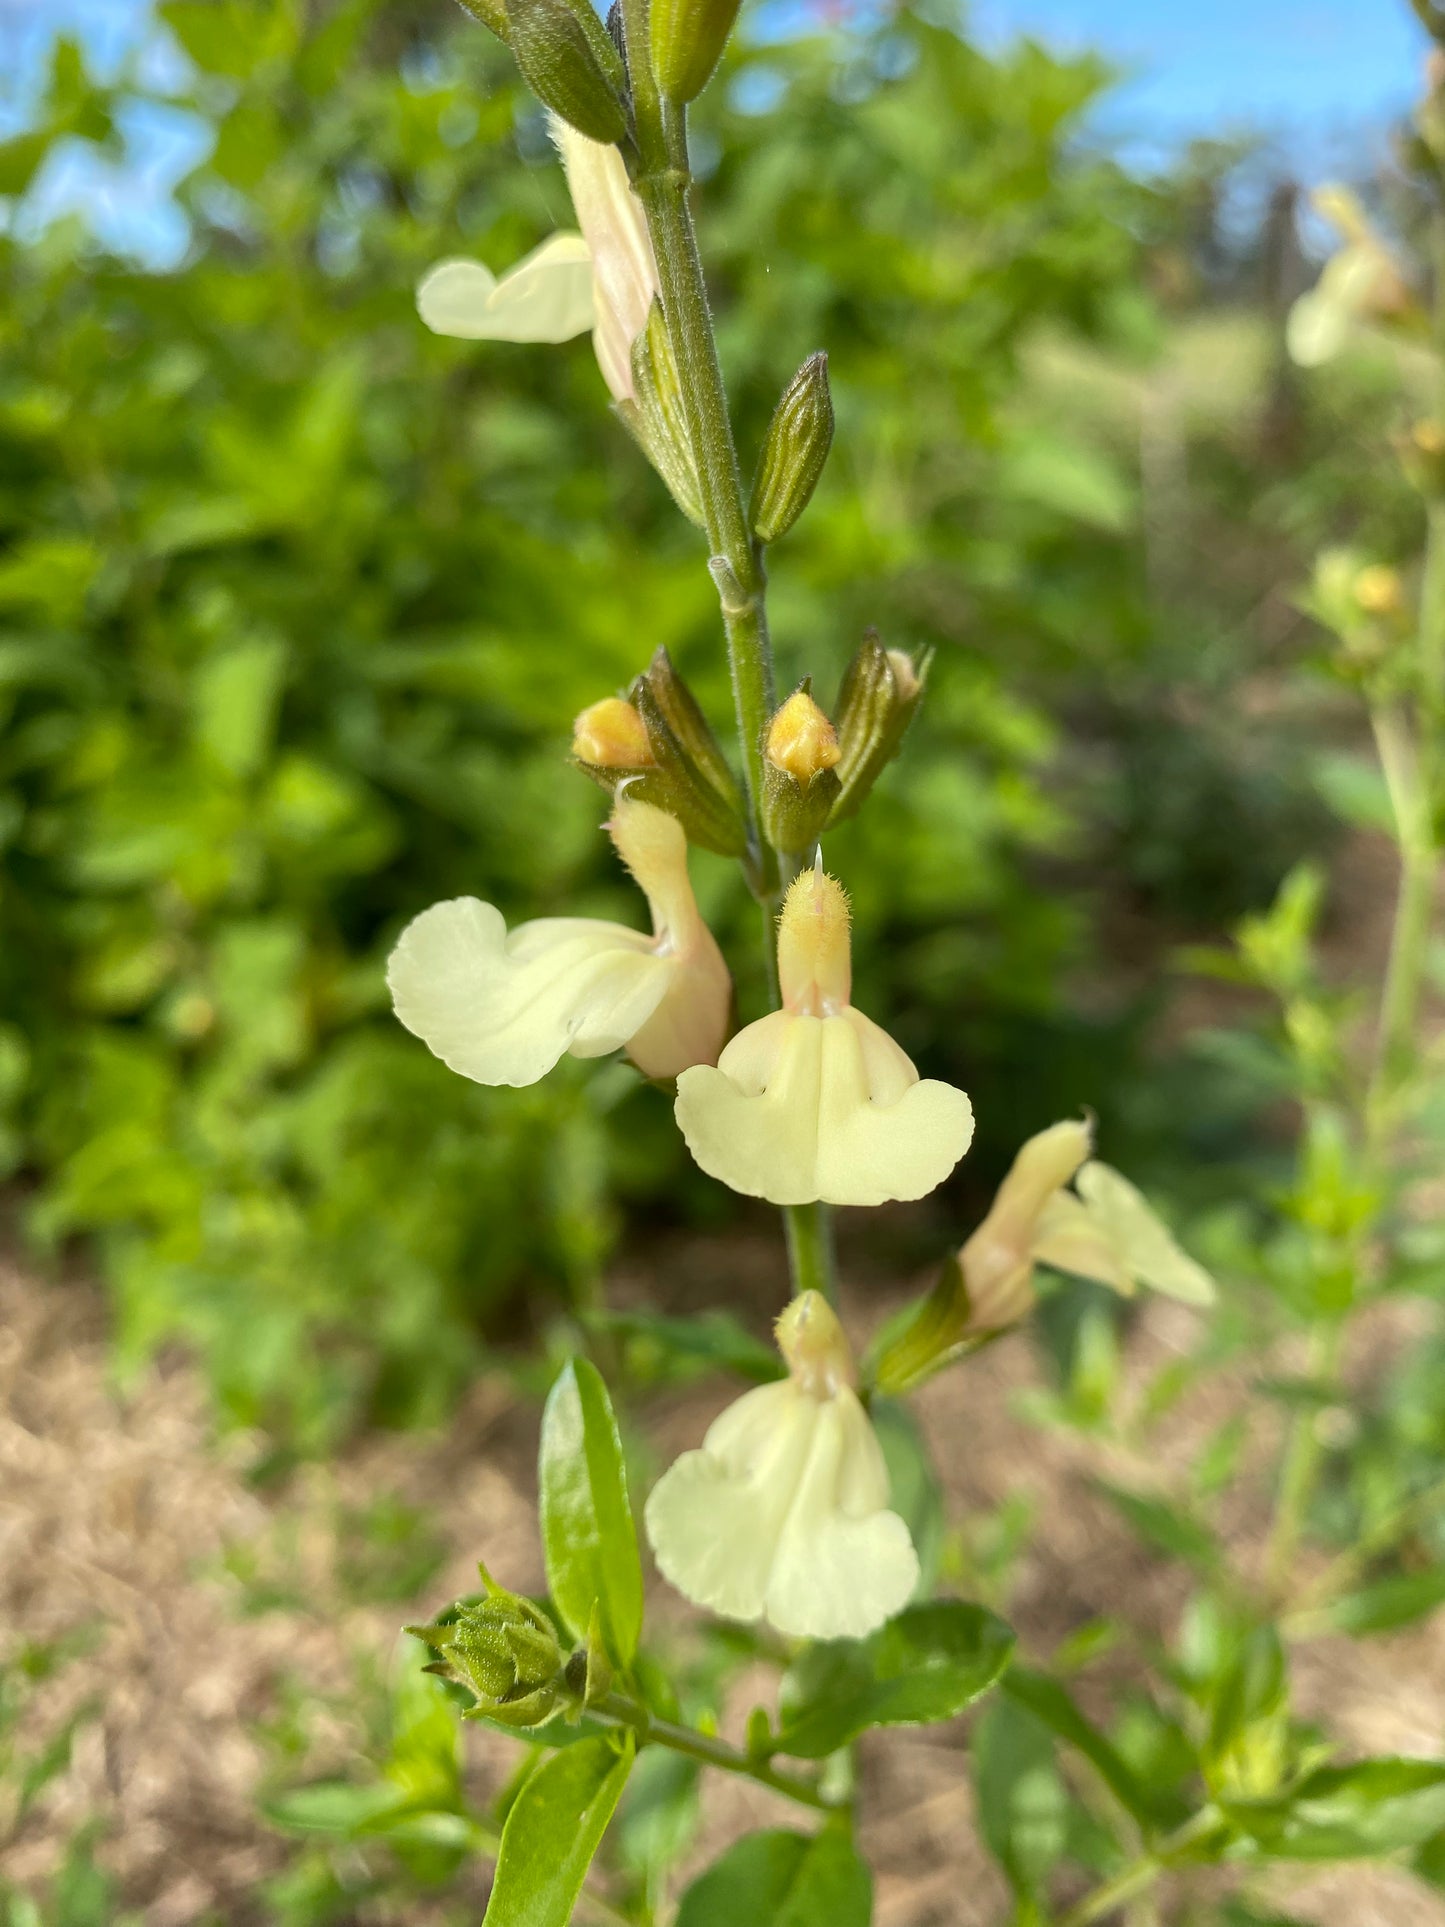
296 602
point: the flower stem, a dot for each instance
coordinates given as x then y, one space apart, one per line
810 1249
616 1710
664 186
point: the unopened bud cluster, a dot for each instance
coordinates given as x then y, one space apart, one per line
505 1650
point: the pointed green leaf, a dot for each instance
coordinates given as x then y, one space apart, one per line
588 1536
554 1828
779 1879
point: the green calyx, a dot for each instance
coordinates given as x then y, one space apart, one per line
688 37
505 1650
794 451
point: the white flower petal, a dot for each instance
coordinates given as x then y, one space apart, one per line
715 1516
802 1108
548 296
1145 1246
782 1514
844 1563
624 267
502 1010
1071 1239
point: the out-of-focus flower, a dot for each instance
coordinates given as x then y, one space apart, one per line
997 1262
782 1512
815 1101
502 1009
1362 282
1108 1232
1105 1231
604 278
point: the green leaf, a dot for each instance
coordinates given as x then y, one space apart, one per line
780 1879
1023 1805
1351 1812
1388 1603
925 1665
1050 1703
588 1536
555 1826
712 1339
916 1495
1165 1526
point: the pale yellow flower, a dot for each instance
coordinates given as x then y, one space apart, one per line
782 1514
1108 1232
815 1101
604 278
1103 1230
1361 282
503 1009
998 1260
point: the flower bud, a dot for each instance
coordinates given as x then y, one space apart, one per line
800 787
570 64
881 690
1379 591
612 735
794 451
1363 603
506 1651
676 765
688 37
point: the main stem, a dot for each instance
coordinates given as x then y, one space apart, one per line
664 186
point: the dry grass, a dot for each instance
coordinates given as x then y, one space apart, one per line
117 1516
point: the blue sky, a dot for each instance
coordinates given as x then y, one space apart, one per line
1323 78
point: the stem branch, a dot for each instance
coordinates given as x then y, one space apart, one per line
616 1710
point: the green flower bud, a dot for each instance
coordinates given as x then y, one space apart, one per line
881 690
506 1651
794 451
688 37
571 65
930 1334
800 784
670 758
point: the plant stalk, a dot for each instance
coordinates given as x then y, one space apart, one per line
664 186
1142 1873
618 1711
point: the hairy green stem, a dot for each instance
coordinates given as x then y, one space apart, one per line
664 186
618 1711
1142 1873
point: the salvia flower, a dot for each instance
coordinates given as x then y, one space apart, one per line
1360 283
815 1101
604 278
1105 1230
782 1513
503 1008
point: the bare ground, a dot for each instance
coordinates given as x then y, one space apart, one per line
125 1526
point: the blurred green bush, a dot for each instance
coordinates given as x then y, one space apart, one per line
297 601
